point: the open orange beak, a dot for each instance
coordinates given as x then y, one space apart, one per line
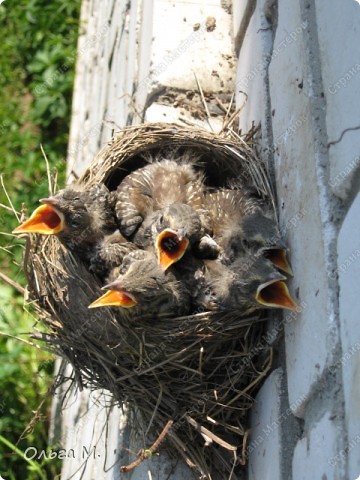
114 298
278 257
275 294
170 247
45 219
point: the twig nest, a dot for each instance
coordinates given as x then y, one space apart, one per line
199 370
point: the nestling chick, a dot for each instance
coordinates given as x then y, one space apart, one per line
240 220
109 253
172 231
154 187
144 290
80 219
250 283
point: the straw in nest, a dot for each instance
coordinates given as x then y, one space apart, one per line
199 371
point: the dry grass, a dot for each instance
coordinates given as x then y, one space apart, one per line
200 371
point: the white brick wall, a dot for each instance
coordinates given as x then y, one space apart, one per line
299 62
338 34
349 361
266 433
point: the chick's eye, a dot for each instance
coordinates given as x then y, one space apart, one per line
77 205
125 265
75 223
161 220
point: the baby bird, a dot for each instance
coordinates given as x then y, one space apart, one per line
143 289
240 220
172 231
250 283
109 253
82 221
154 187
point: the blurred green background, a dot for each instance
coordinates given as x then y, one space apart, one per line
37 62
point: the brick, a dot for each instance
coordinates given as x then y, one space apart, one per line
242 11
97 41
239 8
308 334
265 440
165 113
339 37
107 448
120 79
251 70
315 454
85 438
174 58
349 303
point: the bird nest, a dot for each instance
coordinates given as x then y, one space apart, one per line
200 371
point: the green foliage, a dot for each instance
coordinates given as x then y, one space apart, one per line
25 375
38 42
38 53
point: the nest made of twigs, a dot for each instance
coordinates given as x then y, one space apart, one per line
202 370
